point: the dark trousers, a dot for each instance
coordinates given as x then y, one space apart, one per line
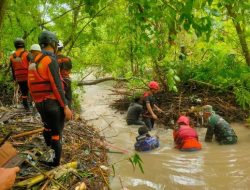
23 85
68 91
52 115
135 122
149 122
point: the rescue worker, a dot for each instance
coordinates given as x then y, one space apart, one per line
149 105
217 126
145 142
134 111
19 63
185 137
35 49
46 88
65 65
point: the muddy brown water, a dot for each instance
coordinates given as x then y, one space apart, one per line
214 167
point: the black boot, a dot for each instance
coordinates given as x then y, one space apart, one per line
57 147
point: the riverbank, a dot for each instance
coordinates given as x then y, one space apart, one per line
82 144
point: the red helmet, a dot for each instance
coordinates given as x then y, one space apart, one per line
153 85
183 120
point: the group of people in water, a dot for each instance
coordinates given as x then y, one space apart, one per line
184 134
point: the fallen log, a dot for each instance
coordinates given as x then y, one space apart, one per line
34 180
92 82
28 133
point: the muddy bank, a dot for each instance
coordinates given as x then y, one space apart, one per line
81 144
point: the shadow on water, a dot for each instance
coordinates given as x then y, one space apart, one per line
214 167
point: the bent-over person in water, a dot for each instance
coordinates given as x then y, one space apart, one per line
134 112
219 127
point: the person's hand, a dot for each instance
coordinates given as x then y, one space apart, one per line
154 116
160 110
68 113
8 177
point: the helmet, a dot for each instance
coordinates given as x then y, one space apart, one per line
184 120
47 37
60 45
207 109
19 43
35 47
153 85
143 130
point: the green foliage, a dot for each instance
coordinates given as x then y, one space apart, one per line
136 160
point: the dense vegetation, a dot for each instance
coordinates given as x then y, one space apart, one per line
142 39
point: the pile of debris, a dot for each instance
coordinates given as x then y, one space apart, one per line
190 96
84 159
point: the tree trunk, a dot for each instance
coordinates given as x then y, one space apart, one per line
2 9
240 33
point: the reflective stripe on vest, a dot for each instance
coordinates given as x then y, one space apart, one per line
20 67
38 86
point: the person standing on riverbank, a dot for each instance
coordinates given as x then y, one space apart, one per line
46 88
19 63
149 105
216 125
65 65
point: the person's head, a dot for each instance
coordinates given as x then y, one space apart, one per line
154 86
143 130
183 120
207 111
60 46
48 40
35 49
19 43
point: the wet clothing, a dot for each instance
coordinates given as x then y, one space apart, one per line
19 63
147 117
217 126
65 65
186 138
146 142
46 88
133 114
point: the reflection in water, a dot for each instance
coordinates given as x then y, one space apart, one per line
140 182
215 167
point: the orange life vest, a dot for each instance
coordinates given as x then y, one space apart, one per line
65 66
20 65
39 87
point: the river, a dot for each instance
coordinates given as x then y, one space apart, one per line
214 167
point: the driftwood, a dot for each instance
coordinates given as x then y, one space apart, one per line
28 133
32 181
92 82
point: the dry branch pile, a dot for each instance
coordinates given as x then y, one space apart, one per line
190 95
81 144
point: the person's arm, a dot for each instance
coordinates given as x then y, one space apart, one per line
157 108
8 177
150 110
12 70
209 134
57 88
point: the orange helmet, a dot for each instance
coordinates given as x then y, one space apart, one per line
153 85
